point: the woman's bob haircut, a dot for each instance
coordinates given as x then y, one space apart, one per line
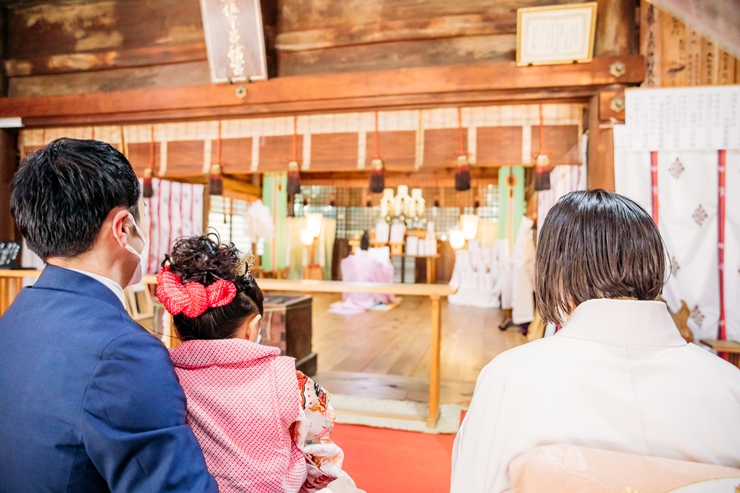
596 244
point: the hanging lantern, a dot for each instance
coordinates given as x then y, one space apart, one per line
542 173
377 168
294 169
462 173
541 162
377 176
148 190
294 178
216 182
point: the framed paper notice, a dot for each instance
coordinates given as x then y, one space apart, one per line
234 40
555 34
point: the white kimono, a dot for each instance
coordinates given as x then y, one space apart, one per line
617 377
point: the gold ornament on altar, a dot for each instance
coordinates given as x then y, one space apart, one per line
404 207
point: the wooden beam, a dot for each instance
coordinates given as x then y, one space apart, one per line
600 150
444 26
7 170
102 60
615 28
578 94
230 184
323 92
609 104
459 50
242 187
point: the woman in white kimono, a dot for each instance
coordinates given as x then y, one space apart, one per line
618 376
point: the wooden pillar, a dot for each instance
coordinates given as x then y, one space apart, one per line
7 145
7 170
615 28
434 367
600 149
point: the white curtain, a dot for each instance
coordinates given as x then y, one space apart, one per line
732 246
175 209
685 132
563 180
688 218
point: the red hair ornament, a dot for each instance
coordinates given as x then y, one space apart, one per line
192 299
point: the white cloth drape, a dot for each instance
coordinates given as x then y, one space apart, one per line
476 275
631 170
685 131
687 204
563 180
687 198
732 246
522 261
517 274
175 209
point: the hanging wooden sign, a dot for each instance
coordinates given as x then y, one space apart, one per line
555 34
235 40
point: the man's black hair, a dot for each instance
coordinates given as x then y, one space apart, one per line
62 194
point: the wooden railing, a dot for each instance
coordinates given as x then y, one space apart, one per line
10 284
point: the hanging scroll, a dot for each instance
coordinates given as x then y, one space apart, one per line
234 39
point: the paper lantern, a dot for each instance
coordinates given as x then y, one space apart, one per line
469 224
313 223
457 239
307 237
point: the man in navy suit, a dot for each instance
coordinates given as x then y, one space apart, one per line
89 401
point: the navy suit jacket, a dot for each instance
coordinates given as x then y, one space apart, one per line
89 401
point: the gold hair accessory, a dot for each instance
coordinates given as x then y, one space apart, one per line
245 264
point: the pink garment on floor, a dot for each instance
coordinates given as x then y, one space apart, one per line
567 468
361 267
242 399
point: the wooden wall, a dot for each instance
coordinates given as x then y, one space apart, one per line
319 36
678 56
82 46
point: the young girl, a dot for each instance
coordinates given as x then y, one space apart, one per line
263 426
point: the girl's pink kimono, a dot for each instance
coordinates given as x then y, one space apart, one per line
263 427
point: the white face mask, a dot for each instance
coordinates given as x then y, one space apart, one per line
139 273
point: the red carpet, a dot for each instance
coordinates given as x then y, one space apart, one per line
392 461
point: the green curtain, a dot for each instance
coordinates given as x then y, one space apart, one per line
506 201
275 196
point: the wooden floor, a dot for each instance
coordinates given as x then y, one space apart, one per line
386 354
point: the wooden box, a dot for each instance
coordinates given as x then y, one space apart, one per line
287 325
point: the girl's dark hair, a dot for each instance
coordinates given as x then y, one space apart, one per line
205 260
596 244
